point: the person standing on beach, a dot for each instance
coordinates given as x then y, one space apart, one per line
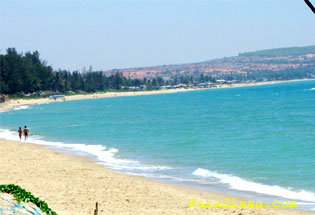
20 133
25 133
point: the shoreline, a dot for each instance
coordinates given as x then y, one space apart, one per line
12 104
71 184
153 181
75 151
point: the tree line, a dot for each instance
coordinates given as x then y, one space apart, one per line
27 73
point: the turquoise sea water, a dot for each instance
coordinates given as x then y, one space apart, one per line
253 141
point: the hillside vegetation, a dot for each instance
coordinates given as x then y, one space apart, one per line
281 52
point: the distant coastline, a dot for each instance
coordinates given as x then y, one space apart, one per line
12 104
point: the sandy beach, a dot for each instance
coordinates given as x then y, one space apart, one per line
21 102
72 184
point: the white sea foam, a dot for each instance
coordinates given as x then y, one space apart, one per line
104 155
22 107
237 183
17 108
313 88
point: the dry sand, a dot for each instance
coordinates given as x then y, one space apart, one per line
21 102
72 184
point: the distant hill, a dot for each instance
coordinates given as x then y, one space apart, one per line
272 64
281 52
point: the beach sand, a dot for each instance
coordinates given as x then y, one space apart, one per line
22 102
72 184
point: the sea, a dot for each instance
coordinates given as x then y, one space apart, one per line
257 141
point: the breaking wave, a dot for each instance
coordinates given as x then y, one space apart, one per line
237 183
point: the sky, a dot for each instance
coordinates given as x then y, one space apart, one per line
112 34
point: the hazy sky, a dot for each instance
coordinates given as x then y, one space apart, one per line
109 34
